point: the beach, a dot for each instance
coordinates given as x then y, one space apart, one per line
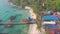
32 14
32 27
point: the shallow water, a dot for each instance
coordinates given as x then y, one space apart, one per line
6 10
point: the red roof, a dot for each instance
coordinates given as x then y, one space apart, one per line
58 16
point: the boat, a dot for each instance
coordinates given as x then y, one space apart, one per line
12 17
7 25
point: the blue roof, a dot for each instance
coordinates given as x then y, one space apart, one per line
49 17
51 26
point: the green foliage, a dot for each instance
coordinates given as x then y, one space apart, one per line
46 33
16 2
39 25
53 5
37 5
32 3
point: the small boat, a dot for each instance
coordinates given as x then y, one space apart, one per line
7 25
12 18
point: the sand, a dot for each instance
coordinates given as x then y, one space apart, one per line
32 14
32 27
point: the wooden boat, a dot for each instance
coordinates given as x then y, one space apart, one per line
7 25
12 17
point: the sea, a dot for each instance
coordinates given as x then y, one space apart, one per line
6 11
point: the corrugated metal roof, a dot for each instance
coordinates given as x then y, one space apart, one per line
49 17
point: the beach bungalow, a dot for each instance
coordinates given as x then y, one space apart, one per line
53 29
49 19
50 22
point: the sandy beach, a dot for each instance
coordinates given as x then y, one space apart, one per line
33 27
32 14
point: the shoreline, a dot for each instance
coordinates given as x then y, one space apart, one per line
32 14
32 27
14 5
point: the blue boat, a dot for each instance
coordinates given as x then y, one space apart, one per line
49 17
29 19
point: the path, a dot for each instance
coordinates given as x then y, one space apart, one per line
33 29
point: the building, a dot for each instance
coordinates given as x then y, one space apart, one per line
50 22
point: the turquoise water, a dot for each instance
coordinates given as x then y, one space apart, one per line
6 10
15 29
